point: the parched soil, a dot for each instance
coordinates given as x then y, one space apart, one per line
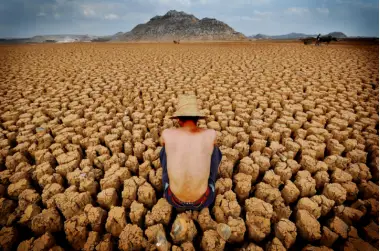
79 145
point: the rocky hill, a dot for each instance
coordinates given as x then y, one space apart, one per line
294 35
178 25
260 36
337 34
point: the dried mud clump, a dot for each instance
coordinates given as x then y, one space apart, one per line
48 220
242 185
76 232
7 207
92 240
275 245
8 238
71 202
248 167
328 237
157 238
45 242
183 228
335 192
252 247
223 185
105 243
238 229
137 188
258 218
267 193
107 198
80 129
286 232
310 206
160 213
290 192
212 241
308 226
132 238
116 221
305 183
226 205
324 203
339 227
96 217
137 213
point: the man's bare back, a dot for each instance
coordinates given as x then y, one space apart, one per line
188 154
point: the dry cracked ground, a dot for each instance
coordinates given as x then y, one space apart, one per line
79 139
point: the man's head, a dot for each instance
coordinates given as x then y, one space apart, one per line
187 109
182 120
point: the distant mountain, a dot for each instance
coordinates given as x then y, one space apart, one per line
294 35
174 25
107 38
65 38
178 25
260 36
337 34
61 38
14 40
117 35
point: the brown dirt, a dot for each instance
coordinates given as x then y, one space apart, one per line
297 125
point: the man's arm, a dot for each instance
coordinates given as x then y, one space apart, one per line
216 158
162 141
215 138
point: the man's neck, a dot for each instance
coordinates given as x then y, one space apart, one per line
190 126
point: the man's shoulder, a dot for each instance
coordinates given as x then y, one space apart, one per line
164 135
211 134
210 131
168 131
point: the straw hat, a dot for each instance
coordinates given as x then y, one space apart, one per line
187 107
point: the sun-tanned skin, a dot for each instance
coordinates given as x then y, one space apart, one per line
188 152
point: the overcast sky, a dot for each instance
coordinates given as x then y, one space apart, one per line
25 18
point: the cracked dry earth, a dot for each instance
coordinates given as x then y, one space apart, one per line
79 139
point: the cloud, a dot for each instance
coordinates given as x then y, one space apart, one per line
252 2
256 17
262 13
297 10
29 18
111 16
324 11
103 11
204 2
169 3
362 4
88 12
247 18
182 2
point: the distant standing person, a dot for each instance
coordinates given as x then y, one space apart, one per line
190 159
318 39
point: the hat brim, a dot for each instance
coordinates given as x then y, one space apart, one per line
178 116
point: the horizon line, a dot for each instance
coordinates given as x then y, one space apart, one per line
91 35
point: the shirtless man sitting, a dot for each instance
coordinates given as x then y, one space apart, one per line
190 159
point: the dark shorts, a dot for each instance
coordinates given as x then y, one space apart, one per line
207 198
